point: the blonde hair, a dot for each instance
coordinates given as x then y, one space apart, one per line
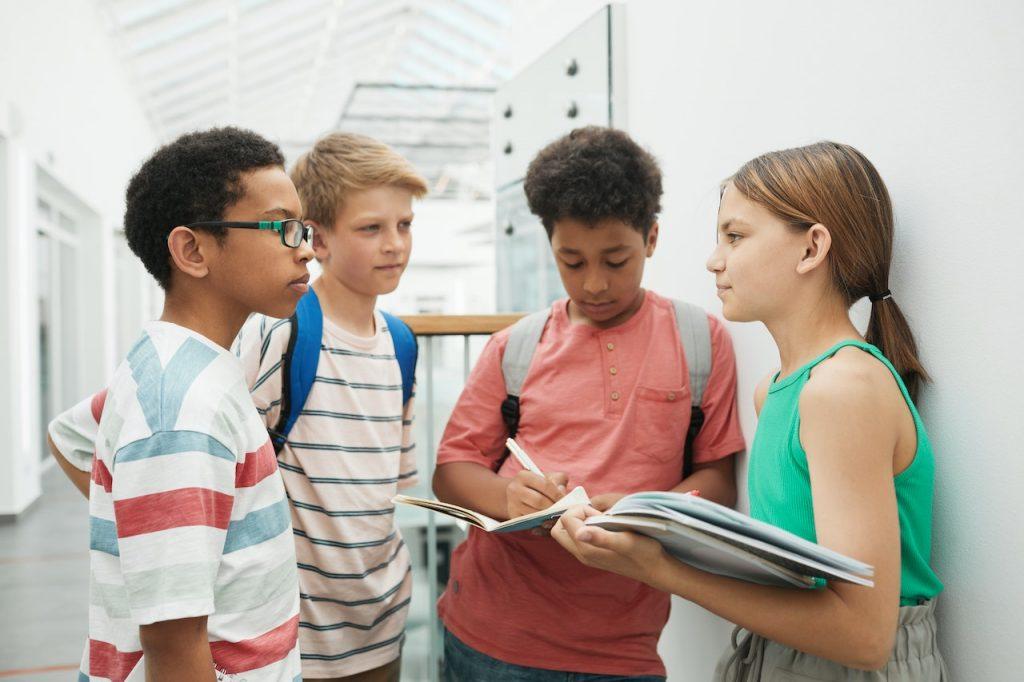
835 185
340 163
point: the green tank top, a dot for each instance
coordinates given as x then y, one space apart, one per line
780 486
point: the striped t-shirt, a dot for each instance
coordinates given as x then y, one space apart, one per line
348 453
188 515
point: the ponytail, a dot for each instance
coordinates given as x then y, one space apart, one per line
889 332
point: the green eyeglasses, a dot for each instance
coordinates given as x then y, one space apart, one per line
293 232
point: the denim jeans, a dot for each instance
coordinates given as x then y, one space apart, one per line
462 663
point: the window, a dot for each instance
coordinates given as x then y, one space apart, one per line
59 307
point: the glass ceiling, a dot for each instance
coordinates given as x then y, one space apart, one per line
418 74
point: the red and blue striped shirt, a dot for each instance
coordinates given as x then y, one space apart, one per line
188 514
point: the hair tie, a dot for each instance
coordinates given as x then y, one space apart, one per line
880 297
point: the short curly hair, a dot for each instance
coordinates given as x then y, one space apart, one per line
195 178
594 173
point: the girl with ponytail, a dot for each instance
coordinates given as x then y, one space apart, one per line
840 456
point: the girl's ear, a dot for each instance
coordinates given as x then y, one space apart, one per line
817 244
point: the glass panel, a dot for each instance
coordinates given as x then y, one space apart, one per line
414 523
553 289
129 292
66 222
527 273
45 370
44 212
451 358
68 345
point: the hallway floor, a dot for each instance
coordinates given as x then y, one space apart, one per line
44 591
44 580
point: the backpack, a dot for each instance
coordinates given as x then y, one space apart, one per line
298 367
694 333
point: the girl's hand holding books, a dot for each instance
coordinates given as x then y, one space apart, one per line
629 554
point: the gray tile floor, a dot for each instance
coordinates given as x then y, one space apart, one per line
44 589
44 585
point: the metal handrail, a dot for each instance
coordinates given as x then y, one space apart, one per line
427 328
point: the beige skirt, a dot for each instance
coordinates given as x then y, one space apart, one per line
915 657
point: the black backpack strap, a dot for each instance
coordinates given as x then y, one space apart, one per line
515 364
510 414
696 422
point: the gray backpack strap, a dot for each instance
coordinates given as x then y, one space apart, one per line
522 343
695 335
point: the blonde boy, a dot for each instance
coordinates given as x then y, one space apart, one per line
351 447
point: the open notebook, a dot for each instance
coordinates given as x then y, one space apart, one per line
721 540
575 497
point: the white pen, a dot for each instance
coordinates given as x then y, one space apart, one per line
522 457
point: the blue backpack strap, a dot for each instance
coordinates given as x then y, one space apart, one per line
406 352
298 367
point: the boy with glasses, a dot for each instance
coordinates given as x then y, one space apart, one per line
191 555
350 446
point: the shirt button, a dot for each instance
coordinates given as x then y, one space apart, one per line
455 586
610 346
671 396
615 395
613 370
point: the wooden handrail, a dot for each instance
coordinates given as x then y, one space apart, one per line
459 325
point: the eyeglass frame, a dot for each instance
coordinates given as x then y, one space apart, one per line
273 225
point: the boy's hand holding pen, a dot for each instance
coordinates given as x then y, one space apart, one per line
531 490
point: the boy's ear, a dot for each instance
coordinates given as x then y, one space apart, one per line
189 252
652 240
817 244
319 247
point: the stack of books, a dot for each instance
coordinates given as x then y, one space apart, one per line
721 540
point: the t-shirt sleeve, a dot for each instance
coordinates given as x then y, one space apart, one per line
172 493
260 347
721 434
476 431
74 431
408 476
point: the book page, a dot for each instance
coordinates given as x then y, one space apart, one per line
468 515
578 496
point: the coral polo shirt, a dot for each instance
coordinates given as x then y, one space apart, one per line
610 408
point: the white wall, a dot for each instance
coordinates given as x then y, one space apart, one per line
67 114
932 93
71 94
19 397
452 259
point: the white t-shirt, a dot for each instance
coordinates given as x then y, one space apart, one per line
347 455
